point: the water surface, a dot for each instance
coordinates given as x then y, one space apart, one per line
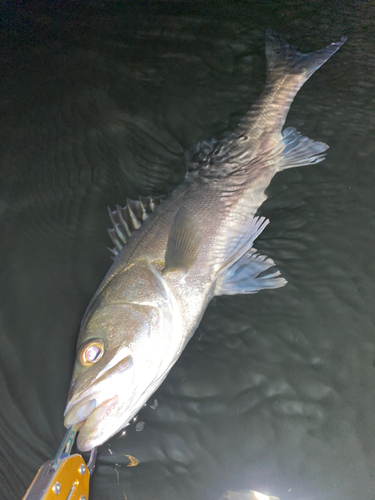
99 101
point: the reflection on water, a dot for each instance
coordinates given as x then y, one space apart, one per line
246 495
275 391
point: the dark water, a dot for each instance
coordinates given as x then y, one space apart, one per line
275 392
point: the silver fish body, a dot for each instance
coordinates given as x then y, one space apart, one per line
172 259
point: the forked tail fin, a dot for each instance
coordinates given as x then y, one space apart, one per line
287 71
260 130
283 58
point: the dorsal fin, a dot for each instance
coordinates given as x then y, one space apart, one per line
128 219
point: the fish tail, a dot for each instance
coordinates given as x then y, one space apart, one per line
260 130
283 59
287 71
292 68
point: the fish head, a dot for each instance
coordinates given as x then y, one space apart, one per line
126 346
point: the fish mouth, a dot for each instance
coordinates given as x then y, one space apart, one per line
90 415
90 407
80 406
88 434
80 411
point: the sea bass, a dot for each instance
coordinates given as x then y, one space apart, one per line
172 256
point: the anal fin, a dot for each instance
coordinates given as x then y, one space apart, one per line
300 150
246 275
241 237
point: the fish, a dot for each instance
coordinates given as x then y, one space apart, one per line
173 255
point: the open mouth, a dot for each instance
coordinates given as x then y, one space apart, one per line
88 410
90 415
80 411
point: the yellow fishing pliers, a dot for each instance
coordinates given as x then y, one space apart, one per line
64 478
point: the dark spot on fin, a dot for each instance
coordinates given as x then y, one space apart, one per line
183 242
128 219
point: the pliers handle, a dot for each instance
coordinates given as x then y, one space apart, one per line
64 478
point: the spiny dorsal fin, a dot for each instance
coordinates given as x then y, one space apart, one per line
128 219
183 242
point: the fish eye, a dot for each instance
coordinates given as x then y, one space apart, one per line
91 351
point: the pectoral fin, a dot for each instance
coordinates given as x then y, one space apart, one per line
244 275
183 242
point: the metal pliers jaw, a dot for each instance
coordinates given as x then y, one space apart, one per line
64 478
